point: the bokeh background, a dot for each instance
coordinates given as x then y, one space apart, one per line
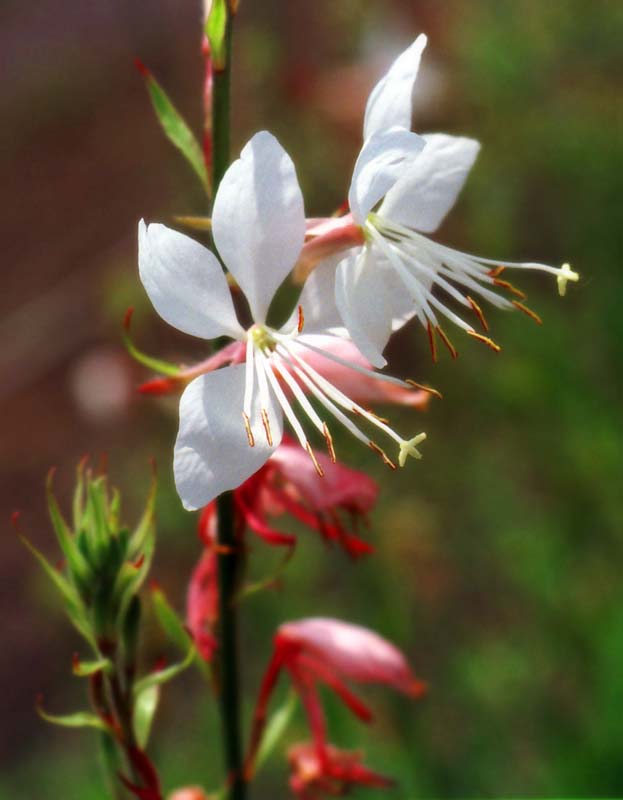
499 557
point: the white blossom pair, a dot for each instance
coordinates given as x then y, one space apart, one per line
231 419
393 272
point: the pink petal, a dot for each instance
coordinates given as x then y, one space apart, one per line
340 486
361 388
351 650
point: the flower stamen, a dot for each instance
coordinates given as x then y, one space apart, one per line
527 311
485 340
423 388
247 426
512 289
329 441
444 338
385 458
478 311
266 424
431 341
312 455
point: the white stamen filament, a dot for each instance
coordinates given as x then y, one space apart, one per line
461 264
265 366
248 377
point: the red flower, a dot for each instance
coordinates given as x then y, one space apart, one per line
321 650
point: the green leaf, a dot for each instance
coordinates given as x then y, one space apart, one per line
145 706
216 31
276 728
176 129
85 668
164 675
76 562
170 621
73 604
154 364
145 528
80 719
174 628
78 500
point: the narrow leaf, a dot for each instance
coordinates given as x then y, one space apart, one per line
155 364
276 728
169 620
175 127
80 719
164 675
145 706
216 30
145 528
85 668
75 560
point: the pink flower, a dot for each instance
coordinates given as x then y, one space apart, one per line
289 482
312 778
202 608
322 650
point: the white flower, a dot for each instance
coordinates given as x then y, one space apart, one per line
393 274
231 420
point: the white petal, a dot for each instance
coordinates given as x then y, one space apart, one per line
212 452
258 221
425 194
372 301
382 160
390 101
185 283
317 299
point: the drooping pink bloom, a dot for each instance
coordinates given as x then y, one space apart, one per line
333 504
287 483
202 607
312 778
329 651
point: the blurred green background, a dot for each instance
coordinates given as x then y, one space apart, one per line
499 556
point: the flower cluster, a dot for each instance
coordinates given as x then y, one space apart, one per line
367 273
364 273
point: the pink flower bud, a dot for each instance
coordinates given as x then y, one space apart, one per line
313 777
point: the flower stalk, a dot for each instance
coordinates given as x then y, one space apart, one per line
229 552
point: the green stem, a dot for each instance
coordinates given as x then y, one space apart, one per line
230 556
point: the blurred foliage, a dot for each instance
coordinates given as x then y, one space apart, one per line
498 556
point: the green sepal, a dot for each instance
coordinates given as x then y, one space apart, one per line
175 128
73 604
216 31
164 675
277 726
76 562
83 669
80 719
145 707
154 364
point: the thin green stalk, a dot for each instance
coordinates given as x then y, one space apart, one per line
230 556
